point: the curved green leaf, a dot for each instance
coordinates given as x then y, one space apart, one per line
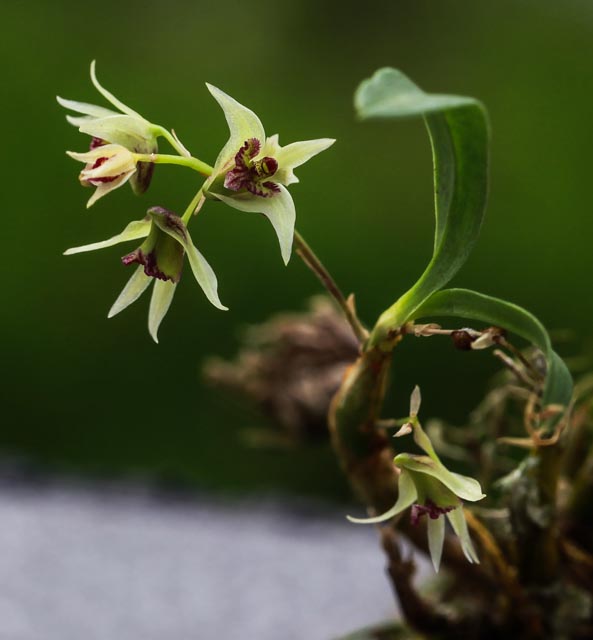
459 136
463 303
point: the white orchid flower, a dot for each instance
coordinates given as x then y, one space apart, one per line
431 489
123 127
160 259
108 166
252 171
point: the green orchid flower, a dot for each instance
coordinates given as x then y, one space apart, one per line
252 171
160 258
123 127
426 485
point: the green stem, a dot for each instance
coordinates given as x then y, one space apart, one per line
160 158
192 206
172 140
309 257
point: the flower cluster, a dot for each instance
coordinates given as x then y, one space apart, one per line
251 173
431 490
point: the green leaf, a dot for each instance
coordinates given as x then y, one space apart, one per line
463 303
459 136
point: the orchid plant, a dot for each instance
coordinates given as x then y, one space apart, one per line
528 557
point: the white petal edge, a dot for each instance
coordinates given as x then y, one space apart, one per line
415 401
436 538
280 211
297 153
160 301
86 108
135 230
134 288
109 96
205 276
457 520
106 187
407 496
243 124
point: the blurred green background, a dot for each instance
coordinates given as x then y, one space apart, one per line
83 393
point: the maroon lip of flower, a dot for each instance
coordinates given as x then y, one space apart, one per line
430 509
96 181
148 261
160 254
95 143
250 175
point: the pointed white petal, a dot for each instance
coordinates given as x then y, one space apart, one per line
295 154
457 520
436 538
106 187
78 121
279 209
205 276
134 288
133 231
85 108
243 124
110 97
160 301
407 495
104 151
415 400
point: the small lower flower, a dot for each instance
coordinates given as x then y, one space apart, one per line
426 485
160 260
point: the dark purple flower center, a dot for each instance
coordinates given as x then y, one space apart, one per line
252 175
430 509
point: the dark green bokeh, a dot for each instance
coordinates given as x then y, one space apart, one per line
85 393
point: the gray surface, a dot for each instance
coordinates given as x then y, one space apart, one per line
119 564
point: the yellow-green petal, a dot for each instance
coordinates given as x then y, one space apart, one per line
160 301
279 209
130 132
84 107
133 231
407 495
134 288
457 520
243 125
462 486
118 104
203 272
436 538
294 155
